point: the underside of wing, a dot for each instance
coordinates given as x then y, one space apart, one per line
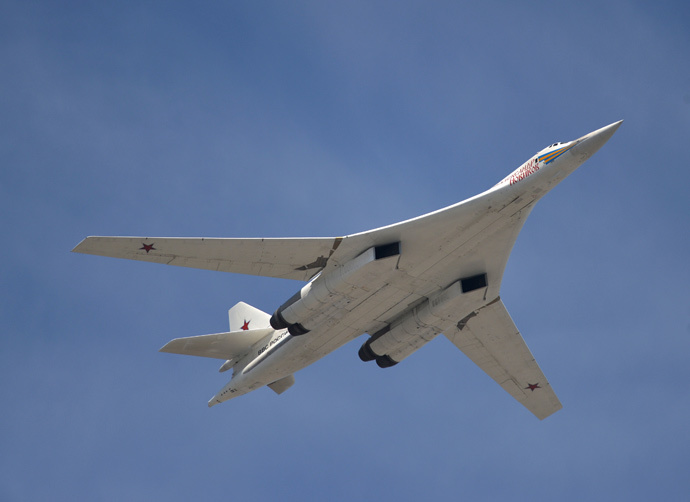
291 258
489 337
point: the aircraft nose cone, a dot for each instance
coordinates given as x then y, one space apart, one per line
590 143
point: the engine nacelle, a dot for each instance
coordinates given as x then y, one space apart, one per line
305 310
399 340
423 323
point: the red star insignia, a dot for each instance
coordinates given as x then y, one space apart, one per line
147 247
245 326
532 386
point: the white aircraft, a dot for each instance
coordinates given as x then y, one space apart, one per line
403 284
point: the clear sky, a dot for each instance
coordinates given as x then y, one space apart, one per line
276 118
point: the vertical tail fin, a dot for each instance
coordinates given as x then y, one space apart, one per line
245 317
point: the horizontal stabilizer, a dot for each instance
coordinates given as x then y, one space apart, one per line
231 345
282 385
491 340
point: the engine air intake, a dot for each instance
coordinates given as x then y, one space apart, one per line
387 250
474 282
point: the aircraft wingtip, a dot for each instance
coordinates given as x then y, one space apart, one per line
75 249
84 245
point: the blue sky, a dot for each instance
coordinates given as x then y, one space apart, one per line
250 119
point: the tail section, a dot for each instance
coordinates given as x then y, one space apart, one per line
250 332
248 325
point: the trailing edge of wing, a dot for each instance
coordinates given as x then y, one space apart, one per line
291 258
490 338
218 346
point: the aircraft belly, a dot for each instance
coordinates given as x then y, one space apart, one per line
427 254
335 332
487 253
339 306
301 351
431 259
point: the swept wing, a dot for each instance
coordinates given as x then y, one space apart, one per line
490 339
291 258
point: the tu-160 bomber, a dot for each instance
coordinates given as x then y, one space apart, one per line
402 284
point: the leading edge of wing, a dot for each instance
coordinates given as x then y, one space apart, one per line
285 258
491 340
